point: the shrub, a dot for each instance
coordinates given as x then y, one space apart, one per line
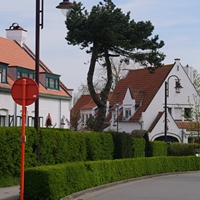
99 146
181 149
10 149
55 182
157 148
123 145
138 147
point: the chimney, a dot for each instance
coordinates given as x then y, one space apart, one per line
190 72
17 33
177 62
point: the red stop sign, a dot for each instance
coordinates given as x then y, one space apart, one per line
32 91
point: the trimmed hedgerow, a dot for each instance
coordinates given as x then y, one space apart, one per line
10 150
55 182
181 149
138 147
156 148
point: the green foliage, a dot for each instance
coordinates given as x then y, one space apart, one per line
59 146
181 149
10 150
91 122
123 145
9 180
107 32
138 147
108 28
99 146
139 133
157 148
10 153
55 182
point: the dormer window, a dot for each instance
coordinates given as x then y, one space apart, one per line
21 72
3 75
52 81
127 113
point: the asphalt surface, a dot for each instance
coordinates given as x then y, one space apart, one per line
174 187
177 186
9 193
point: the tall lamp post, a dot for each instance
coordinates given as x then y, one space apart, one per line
117 117
177 88
64 6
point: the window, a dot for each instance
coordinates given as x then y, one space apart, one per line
52 81
31 121
82 119
11 120
19 120
127 113
187 112
170 110
21 72
3 75
2 120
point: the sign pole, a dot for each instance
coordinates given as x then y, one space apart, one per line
23 139
25 91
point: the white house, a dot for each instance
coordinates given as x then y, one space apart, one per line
17 60
138 102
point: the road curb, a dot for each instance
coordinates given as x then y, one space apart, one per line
101 187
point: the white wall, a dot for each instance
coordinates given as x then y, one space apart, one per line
56 107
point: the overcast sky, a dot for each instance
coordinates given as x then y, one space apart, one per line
177 22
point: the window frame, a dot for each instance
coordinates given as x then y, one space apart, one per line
187 113
22 72
52 81
2 120
3 74
127 113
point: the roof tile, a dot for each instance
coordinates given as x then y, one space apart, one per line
15 55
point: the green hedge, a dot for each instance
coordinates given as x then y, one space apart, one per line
10 150
181 149
156 148
123 145
55 182
59 147
99 146
138 147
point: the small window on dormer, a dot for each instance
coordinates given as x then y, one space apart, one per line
127 113
3 75
22 72
52 81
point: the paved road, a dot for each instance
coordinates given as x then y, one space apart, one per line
170 187
10 193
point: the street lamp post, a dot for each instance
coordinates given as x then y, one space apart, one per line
117 117
177 88
65 5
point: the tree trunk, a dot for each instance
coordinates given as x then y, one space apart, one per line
100 102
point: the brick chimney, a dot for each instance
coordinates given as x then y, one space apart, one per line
17 33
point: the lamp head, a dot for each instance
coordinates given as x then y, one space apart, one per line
178 86
65 7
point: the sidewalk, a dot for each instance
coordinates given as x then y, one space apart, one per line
9 193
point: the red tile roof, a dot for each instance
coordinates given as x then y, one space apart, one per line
90 105
145 82
143 86
82 101
15 55
188 125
